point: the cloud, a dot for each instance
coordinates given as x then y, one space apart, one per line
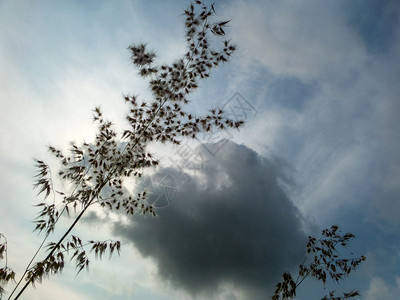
336 122
231 225
306 40
380 290
375 21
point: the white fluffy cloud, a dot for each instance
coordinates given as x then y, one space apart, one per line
379 289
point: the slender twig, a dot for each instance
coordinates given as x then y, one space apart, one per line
90 202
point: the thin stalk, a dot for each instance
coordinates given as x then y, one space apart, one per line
60 241
27 268
87 205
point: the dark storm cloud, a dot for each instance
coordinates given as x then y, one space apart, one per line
231 224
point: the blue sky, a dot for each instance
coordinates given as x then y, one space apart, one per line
320 145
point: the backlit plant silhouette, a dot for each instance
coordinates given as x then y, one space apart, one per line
95 172
323 260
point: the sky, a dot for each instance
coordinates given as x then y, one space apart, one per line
316 83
